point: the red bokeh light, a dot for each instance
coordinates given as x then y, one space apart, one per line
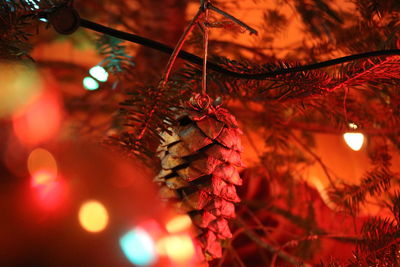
48 190
39 121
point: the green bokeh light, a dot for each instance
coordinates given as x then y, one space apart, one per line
90 84
99 73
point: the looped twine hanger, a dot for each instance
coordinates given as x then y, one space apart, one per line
200 101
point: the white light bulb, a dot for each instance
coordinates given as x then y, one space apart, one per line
354 140
99 73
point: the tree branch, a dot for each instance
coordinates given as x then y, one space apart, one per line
282 254
364 73
315 156
237 21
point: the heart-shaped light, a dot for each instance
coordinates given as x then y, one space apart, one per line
354 140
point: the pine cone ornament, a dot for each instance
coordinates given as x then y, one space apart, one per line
199 158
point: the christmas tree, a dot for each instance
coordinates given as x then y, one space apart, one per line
199 133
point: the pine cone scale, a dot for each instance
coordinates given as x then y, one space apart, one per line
210 127
193 138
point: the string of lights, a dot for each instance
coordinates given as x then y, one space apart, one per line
215 67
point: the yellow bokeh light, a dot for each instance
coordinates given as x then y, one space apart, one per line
353 126
179 248
41 159
20 83
42 178
178 224
93 216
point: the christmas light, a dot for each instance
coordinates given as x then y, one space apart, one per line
42 178
48 191
178 224
99 73
138 247
90 84
93 216
33 4
354 140
353 126
20 85
41 159
179 248
39 121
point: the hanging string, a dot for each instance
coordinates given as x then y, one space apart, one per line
179 46
205 45
168 68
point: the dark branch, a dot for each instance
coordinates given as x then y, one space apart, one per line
229 16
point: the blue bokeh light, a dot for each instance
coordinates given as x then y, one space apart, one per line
138 247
